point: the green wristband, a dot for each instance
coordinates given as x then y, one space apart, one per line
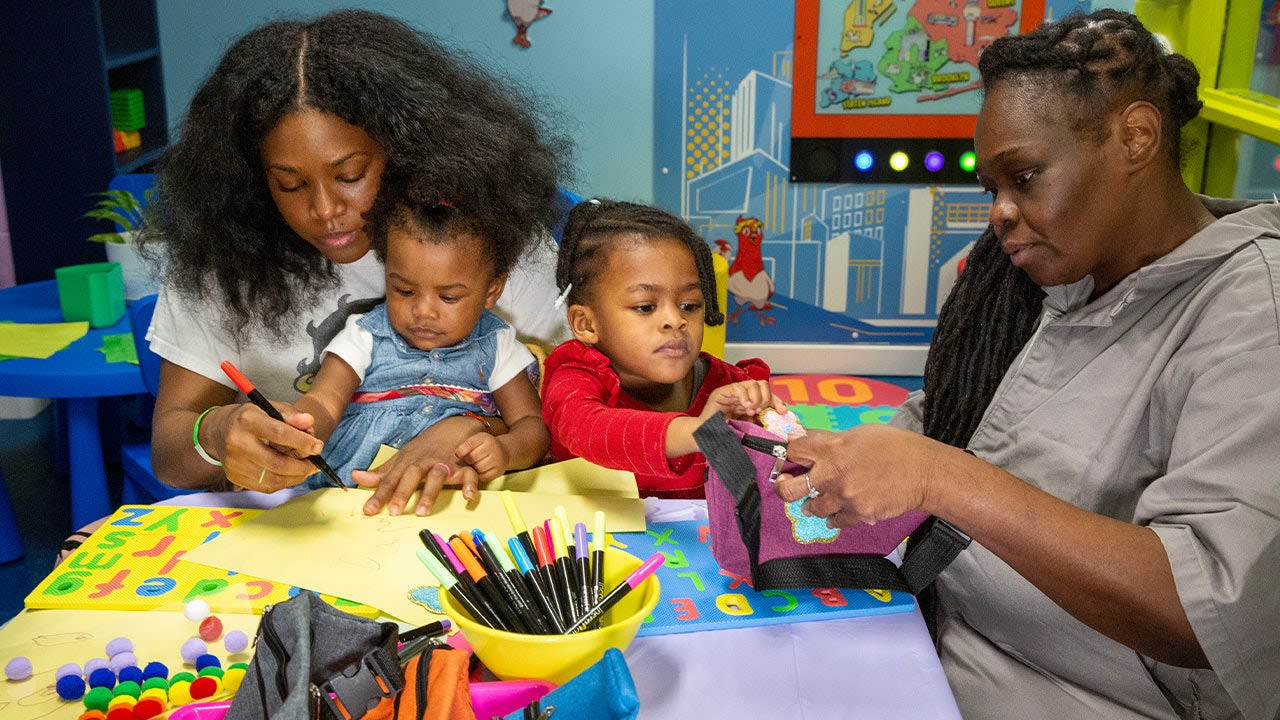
195 439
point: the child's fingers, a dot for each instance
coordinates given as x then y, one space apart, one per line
437 476
468 447
470 482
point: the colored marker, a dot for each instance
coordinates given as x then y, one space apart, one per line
581 565
562 570
265 405
431 629
518 525
507 619
546 560
448 552
450 584
597 557
512 587
533 581
618 592
465 585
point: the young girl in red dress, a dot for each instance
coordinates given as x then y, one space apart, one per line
628 391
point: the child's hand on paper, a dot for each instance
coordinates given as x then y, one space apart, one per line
742 400
484 453
425 463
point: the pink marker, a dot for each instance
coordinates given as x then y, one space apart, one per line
618 592
448 552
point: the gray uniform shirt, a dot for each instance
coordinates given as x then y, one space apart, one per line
1157 403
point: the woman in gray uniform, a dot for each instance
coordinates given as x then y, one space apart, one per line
1101 406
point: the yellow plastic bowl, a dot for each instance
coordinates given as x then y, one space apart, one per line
558 658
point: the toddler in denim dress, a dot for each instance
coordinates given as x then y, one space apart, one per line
432 351
407 390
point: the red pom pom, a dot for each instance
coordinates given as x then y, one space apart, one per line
203 687
210 629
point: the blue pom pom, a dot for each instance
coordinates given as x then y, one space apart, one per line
207 660
155 669
70 687
102 677
133 673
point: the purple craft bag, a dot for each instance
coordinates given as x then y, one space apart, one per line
784 531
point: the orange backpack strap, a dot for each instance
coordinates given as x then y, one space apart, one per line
435 688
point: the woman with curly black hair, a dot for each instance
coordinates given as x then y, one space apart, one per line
1100 412
260 221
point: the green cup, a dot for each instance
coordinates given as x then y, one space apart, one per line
92 292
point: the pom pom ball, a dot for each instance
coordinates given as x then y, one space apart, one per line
196 610
70 687
102 677
207 660
192 649
119 645
18 668
236 641
97 698
210 628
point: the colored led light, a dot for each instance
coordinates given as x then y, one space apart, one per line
863 161
899 161
968 161
933 161
1276 163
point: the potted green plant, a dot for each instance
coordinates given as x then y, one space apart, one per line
126 211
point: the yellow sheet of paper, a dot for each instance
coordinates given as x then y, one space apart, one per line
52 638
38 340
570 477
323 541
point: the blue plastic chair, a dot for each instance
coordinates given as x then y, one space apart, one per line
140 485
564 201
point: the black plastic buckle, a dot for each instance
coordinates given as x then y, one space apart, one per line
360 687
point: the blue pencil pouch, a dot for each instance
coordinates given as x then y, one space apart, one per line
604 691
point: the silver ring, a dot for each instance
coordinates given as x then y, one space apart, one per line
262 475
813 491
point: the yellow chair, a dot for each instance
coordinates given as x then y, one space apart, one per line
713 336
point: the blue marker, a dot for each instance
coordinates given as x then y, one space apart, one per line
532 581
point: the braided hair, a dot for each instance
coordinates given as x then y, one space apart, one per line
594 227
1099 63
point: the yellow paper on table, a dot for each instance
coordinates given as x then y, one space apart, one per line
52 638
323 540
38 340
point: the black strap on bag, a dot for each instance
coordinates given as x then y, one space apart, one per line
938 543
312 660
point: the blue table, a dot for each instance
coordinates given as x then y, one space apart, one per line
77 377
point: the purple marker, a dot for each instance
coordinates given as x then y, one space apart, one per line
582 566
620 591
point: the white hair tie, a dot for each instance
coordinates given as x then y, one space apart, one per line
563 296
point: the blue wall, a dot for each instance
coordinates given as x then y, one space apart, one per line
591 63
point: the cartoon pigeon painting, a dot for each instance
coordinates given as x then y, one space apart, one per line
523 13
